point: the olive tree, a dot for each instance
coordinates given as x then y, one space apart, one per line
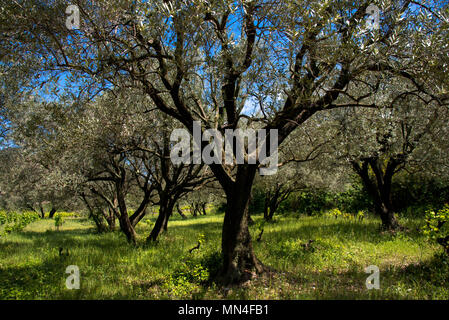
275 63
395 139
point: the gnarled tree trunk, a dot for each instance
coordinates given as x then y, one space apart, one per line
239 260
379 188
165 211
125 223
389 221
142 209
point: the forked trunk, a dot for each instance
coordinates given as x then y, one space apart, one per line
165 211
141 210
379 188
180 212
127 228
125 224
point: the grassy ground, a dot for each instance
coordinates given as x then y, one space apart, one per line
333 268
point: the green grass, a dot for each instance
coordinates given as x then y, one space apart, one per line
410 266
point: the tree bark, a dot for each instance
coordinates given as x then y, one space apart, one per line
389 221
180 212
98 222
273 200
267 212
193 209
110 219
379 189
239 260
141 210
52 213
42 211
169 212
125 223
165 211
127 228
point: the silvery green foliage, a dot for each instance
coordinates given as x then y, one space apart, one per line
117 39
231 64
34 175
410 127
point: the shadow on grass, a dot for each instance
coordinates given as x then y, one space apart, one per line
215 226
36 281
69 239
425 280
435 271
350 230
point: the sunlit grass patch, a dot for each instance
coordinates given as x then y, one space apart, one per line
331 266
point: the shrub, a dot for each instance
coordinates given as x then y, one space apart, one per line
186 281
437 226
59 220
15 221
336 213
65 214
360 215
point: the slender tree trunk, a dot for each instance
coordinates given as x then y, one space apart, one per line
267 209
379 190
52 213
203 207
193 210
42 211
180 212
239 260
169 212
389 221
127 228
160 221
270 206
125 223
141 210
98 222
110 219
165 211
